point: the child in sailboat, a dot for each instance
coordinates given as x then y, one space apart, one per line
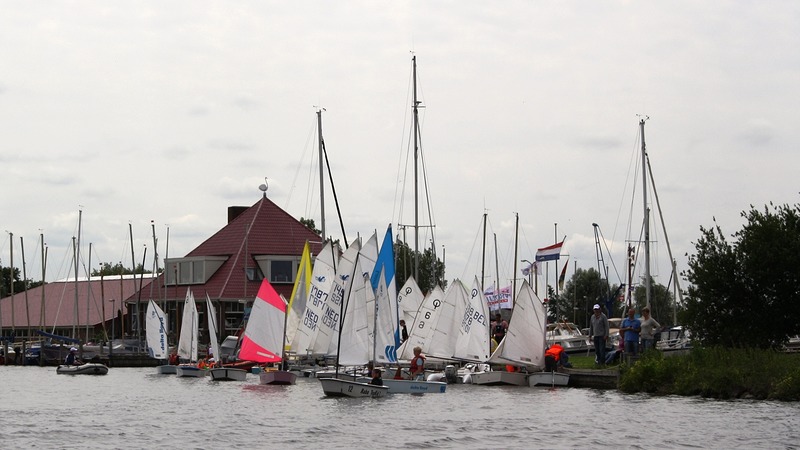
376 377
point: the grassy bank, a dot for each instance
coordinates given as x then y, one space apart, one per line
718 373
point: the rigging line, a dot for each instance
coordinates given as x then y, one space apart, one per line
333 188
399 193
605 243
241 247
478 235
632 164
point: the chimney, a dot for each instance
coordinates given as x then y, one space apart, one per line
235 211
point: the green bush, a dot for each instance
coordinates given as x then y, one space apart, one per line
716 372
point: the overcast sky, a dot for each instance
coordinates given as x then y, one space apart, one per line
170 112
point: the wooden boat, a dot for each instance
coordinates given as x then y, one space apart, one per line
228 374
83 369
410 386
278 377
335 387
185 370
548 379
167 369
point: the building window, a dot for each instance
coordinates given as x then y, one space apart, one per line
192 270
281 271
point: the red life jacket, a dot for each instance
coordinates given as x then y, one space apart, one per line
414 365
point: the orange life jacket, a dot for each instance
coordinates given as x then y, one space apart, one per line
554 351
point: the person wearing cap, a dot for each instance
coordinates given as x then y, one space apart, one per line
598 330
72 358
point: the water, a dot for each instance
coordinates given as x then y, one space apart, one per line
135 408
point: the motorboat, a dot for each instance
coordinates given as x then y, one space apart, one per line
569 336
83 369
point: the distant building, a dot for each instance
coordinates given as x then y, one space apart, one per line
259 241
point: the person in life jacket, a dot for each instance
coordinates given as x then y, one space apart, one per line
554 357
499 328
417 364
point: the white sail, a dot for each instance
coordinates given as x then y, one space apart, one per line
524 342
325 342
213 332
408 300
355 348
187 343
321 282
368 258
473 340
421 332
156 327
297 302
445 333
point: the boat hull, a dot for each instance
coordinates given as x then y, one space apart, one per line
334 387
228 374
410 386
279 377
190 372
548 379
84 369
500 378
166 370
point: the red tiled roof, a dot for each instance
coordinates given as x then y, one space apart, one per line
262 229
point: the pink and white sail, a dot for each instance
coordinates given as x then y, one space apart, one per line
263 337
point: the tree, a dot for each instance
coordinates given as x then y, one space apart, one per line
309 223
585 288
107 269
661 301
747 293
431 268
20 285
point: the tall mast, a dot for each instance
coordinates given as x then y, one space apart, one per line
646 217
321 178
516 257
415 107
483 254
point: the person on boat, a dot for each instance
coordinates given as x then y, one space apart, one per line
555 357
403 331
376 377
598 330
72 358
499 328
173 359
649 327
630 329
417 364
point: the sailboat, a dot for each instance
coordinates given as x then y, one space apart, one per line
337 386
386 323
523 344
156 334
187 342
220 373
264 337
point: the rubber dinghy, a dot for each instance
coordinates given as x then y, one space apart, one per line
83 369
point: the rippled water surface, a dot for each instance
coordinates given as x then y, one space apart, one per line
135 408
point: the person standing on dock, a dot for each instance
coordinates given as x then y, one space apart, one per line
649 327
630 329
598 330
